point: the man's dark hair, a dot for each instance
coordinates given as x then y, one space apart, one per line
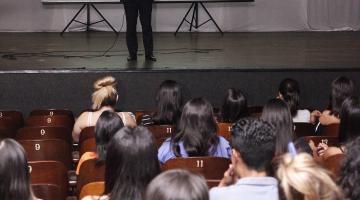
255 140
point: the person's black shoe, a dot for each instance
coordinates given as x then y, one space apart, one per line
150 58
131 58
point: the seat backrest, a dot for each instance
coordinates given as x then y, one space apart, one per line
94 188
330 141
48 150
331 130
49 179
212 168
52 112
7 133
16 116
7 123
303 129
55 120
48 192
44 132
87 145
87 133
224 130
333 164
161 132
89 172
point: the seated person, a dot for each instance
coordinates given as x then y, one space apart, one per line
302 178
341 88
104 98
277 113
253 148
289 91
349 127
14 172
177 184
350 171
196 134
234 106
131 163
168 105
106 126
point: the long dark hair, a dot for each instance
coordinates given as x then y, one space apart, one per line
341 88
197 129
14 172
277 113
106 126
290 92
349 119
131 163
350 171
234 106
168 102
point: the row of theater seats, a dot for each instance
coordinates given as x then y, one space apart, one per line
46 137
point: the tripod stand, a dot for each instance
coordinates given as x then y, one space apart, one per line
194 23
88 23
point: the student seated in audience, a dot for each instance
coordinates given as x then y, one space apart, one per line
349 127
104 98
278 114
14 172
289 91
196 134
234 106
130 165
177 184
168 105
341 88
106 126
350 171
253 148
302 178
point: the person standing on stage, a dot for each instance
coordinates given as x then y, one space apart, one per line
133 8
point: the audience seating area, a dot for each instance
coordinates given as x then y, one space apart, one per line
46 138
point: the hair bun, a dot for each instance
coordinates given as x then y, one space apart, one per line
104 82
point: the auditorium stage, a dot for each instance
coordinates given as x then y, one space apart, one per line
103 51
45 70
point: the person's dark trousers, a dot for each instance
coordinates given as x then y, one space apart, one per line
133 8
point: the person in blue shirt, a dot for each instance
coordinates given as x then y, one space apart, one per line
196 134
253 148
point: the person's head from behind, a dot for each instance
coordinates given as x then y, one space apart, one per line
341 88
14 171
350 171
349 119
131 163
253 144
289 91
277 113
106 126
168 102
177 184
105 93
234 106
302 178
197 129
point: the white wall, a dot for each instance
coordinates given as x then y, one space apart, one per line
262 15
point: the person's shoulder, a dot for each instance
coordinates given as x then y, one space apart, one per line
222 192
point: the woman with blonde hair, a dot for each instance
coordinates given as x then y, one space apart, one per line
104 98
302 178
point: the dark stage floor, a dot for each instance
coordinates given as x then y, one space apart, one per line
187 51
